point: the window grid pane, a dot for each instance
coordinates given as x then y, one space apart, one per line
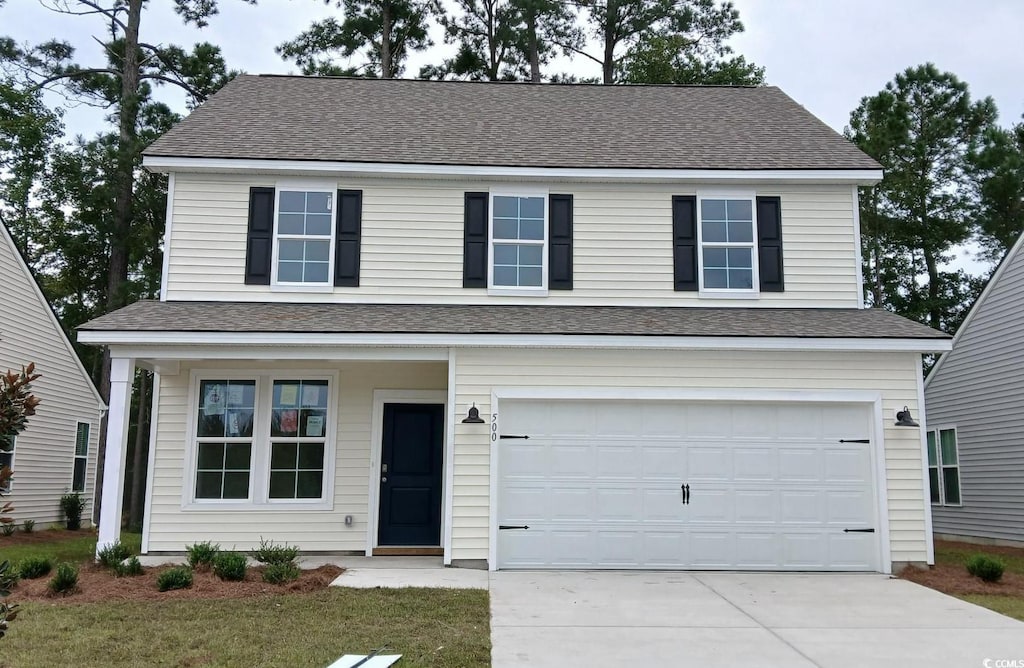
518 265
933 483
947 443
298 414
730 268
951 484
82 440
305 224
727 236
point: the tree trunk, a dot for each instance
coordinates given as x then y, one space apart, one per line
135 501
534 46
934 312
121 226
385 40
610 21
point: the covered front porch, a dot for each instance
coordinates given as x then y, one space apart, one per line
335 449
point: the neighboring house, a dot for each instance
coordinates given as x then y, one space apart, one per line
376 290
975 400
56 454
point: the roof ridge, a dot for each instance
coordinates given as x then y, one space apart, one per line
554 84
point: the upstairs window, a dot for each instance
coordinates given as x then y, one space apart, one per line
519 236
727 246
81 457
304 237
944 467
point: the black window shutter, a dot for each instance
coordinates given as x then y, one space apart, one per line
560 242
258 245
474 250
348 229
684 242
769 243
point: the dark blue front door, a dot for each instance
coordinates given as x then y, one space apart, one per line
410 479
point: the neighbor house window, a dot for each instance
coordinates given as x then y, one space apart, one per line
7 457
298 421
224 438
727 255
944 467
263 439
518 241
81 457
304 236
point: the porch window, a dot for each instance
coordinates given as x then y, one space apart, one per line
224 438
298 439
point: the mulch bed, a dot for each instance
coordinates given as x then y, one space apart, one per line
97 584
954 578
42 536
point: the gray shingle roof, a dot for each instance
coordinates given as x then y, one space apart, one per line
154 316
509 124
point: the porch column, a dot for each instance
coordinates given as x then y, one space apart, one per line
122 372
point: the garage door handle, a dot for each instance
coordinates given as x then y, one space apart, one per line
858 531
686 494
508 526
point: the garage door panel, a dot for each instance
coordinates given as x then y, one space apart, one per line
770 488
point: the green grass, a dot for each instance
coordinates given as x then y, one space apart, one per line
1011 606
957 554
429 627
76 550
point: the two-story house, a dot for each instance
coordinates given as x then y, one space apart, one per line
521 326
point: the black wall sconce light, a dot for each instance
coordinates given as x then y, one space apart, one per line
473 417
905 419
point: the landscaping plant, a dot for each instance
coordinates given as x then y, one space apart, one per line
230 566
128 568
8 527
202 555
28 526
65 581
34 567
178 577
987 568
270 553
72 505
281 573
112 555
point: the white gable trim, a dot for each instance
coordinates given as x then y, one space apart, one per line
9 240
996 275
163 164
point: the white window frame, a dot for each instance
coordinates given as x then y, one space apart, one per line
514 290
85 457
728 293
306 185
259 463
14 453
941 466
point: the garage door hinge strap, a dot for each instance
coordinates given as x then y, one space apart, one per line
858 531
855 440
510 436
508 526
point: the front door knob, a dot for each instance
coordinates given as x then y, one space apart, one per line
383 478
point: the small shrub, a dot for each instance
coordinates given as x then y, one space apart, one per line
280 573
128 568
34 567
65 581
230 566
985 567
269 553
202 555
7 528
112 555
72 505
28 526
179 577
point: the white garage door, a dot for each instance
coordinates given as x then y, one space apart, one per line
603 484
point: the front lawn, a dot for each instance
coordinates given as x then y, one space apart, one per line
950 576
429 627
58 545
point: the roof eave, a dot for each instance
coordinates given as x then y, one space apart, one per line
166 164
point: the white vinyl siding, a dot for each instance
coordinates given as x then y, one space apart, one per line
412 244
45 457
172 526
480 371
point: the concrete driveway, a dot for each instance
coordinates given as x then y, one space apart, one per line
740 620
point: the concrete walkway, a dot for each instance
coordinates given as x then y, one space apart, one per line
739 619
398 572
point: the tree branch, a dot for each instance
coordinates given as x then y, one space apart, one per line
199 97
569 47
109 13
77 73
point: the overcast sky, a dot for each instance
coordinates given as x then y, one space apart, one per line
827 54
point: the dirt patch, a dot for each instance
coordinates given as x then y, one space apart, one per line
956 580
96 584
43 536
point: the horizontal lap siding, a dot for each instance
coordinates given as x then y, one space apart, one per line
171 527
479 371
412 244
979 390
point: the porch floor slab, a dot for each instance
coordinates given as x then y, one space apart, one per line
403 575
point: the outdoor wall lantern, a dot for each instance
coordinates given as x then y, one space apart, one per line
474 416
905 419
